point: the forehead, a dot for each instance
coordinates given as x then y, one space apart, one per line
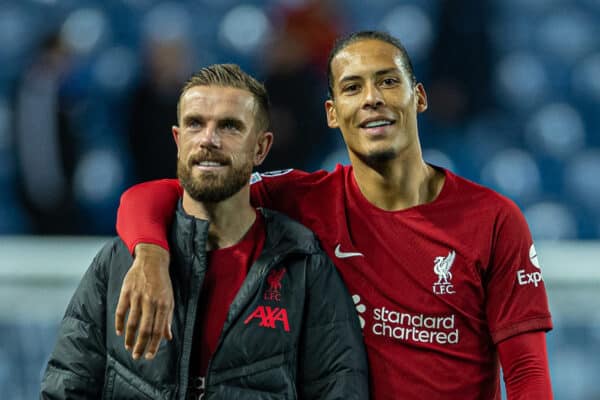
365 57
218 101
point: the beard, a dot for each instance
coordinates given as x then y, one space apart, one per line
379 157
375 158
211 187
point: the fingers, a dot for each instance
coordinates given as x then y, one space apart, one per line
133 321
148 297
168 331
145 332
121 312
147 323
161 324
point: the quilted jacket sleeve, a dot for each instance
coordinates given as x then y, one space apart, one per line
76 366
333 363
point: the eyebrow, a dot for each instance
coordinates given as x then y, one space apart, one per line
228 119
377 73
188 116
238 123
186 119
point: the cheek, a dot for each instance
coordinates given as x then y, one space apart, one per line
184 149
240 150
345 112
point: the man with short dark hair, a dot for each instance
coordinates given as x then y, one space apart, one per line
443 271
260 311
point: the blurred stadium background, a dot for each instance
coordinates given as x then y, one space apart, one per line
87 97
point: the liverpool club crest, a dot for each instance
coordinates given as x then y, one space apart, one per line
274 278
441 267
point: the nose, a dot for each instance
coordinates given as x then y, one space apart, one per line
373 97
210 138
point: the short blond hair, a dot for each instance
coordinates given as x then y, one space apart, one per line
231 75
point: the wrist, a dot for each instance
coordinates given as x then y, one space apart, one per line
153 252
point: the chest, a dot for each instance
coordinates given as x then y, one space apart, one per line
410 264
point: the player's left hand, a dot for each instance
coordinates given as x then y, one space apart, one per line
148 295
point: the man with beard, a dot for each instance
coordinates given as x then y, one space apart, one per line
260 311
443 271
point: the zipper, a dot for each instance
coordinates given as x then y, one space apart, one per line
260 273
194 288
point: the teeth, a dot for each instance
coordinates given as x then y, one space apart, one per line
374 124
209 164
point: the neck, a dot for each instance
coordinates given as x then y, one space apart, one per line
399 183
230 219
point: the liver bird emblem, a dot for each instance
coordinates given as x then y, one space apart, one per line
442 267
274 278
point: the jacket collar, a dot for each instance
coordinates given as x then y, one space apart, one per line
188 234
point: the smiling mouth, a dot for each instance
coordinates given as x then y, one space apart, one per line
209 164
376 124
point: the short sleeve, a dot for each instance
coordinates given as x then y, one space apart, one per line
516 299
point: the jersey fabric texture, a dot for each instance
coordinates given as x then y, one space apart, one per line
436 285
291 331
225 274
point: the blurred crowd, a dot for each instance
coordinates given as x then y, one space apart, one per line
88 93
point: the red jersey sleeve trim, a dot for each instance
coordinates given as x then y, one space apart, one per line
535 324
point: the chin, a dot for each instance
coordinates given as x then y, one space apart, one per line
206 176
376 156
384 150
380 156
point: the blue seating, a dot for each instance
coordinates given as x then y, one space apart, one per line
538 142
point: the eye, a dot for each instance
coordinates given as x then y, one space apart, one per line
230 125
389 82
351 88
194 123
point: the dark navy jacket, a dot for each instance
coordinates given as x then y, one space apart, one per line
291 331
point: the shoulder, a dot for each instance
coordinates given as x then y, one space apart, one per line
296 177
488 199
100 281
288 236
112 257
282 229
114 250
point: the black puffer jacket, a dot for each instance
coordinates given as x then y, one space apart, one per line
291 332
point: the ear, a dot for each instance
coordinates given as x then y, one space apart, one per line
175 132
332 120
263 145
421 97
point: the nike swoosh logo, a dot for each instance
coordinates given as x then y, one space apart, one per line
343 254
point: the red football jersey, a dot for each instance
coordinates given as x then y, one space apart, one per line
226 271
436 286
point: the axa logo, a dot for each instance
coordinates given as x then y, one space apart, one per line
441 267
269 317
273 293
532 278
360 309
